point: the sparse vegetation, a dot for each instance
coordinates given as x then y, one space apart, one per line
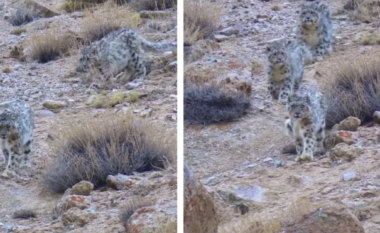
354 90
367 38
152 5
200 22
7 70
115 98
96 30
21 16
78 5
50 45
211 104
362 10
24 214
275 8
131 206
91 149
18 31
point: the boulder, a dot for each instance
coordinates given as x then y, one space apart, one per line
76 217
344 153
120 181
340 136
349 124
82 188
41 10
200 213
70 201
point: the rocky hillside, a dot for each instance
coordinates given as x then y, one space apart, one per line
246 165
58 95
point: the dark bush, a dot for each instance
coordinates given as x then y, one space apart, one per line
211 104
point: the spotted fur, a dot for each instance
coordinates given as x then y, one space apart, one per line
306 125
285 68
16 134
121 50
316 28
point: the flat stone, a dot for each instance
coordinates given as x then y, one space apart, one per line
220 38
349 176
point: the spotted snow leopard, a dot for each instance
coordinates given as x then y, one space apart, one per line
16 134
306 125
121 50
285 68
316 29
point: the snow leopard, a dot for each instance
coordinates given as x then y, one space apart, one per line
285 68
121 50
16 134
316 28
306 123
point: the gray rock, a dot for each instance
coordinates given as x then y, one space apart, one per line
343 152
237 194
229 31
349 176
45 112
220 38
120 181
376 117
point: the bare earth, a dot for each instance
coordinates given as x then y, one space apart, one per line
36 83
244 157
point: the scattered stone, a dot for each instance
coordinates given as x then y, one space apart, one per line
70 201
82 188
154 14
45 112
76 217
151 219
340 136
40 9
267 159
344 153
146 112
200 214
277 163
229 31
54 106
330 218
349 176
220 38
349 124
238 194
120 181
376 117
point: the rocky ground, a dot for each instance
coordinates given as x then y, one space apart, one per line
241 163
53 81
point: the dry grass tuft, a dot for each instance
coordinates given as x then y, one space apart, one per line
18 31
363 10
114 99
131 206
7 70
200 22
354 89
367 38
50 46
21 16
17 52
153 5
212 104
98 25
24 214
275 8
91 149
79 5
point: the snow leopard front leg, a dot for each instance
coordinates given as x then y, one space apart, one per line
286 90
308 143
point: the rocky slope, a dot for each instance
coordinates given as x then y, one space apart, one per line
242 164
53 81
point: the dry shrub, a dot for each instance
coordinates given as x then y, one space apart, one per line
78 5
131 206
354 89
24 214
212 104
367 38
153 5
91 149
21 16
98 25
363 10
199 21
18 31
50 46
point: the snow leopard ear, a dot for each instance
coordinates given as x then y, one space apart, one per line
307 99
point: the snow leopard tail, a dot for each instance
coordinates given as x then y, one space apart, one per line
158 46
